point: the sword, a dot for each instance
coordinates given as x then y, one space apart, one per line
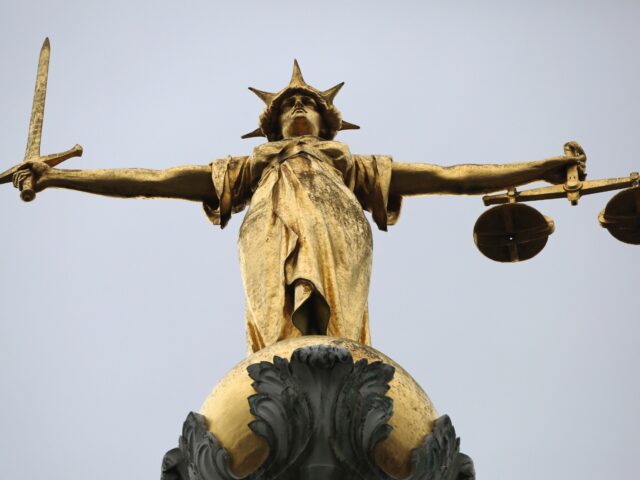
32 153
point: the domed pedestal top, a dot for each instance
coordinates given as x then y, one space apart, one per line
228 416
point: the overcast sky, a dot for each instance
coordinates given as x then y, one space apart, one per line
118 317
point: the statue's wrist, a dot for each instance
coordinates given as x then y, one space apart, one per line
553 163
47 179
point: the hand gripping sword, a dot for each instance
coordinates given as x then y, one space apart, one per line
27 192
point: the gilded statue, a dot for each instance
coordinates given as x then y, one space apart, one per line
305 244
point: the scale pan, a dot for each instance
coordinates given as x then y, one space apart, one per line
512 232
621 216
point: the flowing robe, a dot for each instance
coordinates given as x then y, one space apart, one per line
305 245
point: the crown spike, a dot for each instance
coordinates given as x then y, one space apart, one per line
296 76
256 133
266 97
349 126
330 94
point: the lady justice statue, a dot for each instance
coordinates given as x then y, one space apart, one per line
305 253
305 245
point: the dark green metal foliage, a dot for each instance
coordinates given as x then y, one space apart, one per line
322 414
439 458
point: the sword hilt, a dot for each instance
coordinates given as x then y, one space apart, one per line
27 189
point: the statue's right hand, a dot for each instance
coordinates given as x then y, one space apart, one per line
31 172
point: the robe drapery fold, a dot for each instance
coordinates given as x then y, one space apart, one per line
305 245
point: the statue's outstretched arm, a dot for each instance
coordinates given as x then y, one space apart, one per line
187 183
424 179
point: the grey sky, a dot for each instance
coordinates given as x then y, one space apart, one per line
119 316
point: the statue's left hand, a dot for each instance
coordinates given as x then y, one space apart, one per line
556 168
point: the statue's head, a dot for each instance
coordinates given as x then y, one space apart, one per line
299 109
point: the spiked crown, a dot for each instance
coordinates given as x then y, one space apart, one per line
269 119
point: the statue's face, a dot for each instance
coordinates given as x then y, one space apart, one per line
299 116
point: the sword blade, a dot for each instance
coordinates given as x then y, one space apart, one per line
37 110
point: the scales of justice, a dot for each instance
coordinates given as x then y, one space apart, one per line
314 399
